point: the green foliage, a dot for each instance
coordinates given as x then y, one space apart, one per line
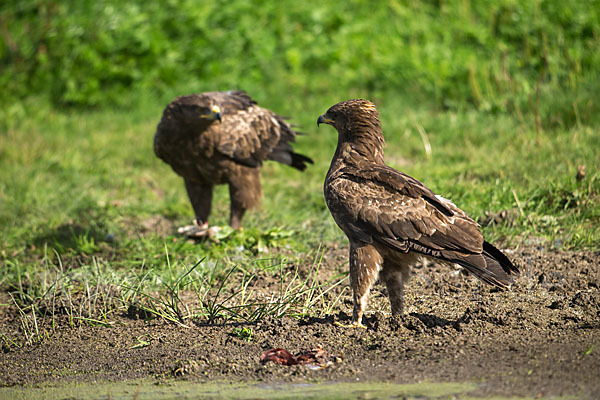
450 52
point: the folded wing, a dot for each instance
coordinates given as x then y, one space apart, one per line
380 204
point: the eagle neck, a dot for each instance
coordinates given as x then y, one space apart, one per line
357 147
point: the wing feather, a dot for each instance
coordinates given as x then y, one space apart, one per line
250 134
392 207
379 204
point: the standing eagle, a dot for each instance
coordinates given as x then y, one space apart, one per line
215 138
392 219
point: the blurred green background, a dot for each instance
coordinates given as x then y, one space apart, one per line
484 54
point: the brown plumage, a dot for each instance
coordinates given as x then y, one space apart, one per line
392 219
217 138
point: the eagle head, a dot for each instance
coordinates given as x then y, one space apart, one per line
198 109
352 117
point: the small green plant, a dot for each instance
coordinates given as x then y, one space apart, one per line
243 333
140 342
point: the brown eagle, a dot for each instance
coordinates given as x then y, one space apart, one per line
392 219
217 138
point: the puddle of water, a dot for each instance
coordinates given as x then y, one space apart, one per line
187 390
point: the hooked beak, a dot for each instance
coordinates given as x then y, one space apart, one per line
324 120
217 113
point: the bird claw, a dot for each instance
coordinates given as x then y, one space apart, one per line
352 325
197 231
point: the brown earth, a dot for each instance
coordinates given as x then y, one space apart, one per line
542 338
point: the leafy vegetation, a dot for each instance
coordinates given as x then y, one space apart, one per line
485 53
492 104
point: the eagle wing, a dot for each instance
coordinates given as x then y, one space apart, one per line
380 204
250 134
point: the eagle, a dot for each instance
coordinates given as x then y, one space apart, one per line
391 219
215 138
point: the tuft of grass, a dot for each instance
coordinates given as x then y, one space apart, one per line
244 333
178 294
296 296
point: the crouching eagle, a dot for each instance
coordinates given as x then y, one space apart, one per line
222 138
392 219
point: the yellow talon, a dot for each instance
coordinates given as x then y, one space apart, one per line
352 325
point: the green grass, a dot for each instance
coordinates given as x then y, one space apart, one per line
78 189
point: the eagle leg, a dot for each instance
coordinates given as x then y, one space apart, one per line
245 191
394 277
365 264
236 214
200 195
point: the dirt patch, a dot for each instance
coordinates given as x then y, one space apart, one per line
540 338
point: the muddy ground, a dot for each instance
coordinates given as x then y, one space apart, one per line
542 338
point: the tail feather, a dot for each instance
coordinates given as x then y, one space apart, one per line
491 266
299 161
490 251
